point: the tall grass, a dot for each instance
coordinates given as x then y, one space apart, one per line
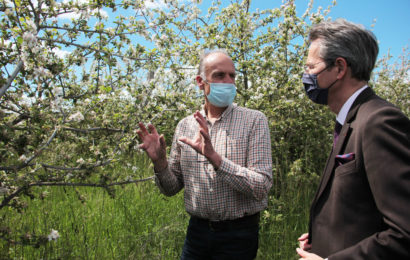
140 223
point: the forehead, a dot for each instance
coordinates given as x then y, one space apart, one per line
313 54
218 62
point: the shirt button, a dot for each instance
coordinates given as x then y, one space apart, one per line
211 190
210 167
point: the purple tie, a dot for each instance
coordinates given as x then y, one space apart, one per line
338 127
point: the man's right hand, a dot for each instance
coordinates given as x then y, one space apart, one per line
154 145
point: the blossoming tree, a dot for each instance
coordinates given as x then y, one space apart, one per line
78 75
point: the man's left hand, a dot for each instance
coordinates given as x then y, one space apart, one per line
202 142
306 255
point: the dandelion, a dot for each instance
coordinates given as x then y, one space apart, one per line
53 235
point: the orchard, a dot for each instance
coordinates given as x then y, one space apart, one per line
78 75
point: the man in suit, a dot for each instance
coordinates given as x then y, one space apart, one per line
361 209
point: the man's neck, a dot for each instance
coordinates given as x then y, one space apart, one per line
340 95
212 112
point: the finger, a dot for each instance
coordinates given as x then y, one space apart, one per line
201 120
303 236
144 130
152 129
142 146
205 135
141 136
301 252
186 140
162 141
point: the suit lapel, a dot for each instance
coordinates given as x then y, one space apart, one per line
343 138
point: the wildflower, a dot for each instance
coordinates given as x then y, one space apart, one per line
53 235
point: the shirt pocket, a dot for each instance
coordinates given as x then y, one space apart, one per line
237 150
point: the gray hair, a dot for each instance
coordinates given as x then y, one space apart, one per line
350 41
204 54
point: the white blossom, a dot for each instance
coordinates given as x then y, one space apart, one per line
76 117
32 26
80 161
23 158
29 39
41 72
164 37
58 91
53 235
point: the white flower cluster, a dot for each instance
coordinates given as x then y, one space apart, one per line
29 39
76 117
53 235
42 73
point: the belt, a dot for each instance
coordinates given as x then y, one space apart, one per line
244 222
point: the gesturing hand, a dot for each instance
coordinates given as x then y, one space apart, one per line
154 145
202 141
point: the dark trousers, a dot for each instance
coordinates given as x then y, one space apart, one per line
237 239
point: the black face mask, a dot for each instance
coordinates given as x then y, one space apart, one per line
312 89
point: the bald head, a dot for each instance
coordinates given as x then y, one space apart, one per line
211 58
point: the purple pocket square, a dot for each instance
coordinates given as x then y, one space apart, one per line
344 158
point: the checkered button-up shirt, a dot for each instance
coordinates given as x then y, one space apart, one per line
241 184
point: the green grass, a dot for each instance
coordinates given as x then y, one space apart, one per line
139 222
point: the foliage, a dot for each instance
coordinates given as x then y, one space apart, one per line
78 75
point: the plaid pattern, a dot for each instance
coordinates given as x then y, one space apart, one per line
241 185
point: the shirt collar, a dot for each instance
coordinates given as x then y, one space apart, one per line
341 117
227 111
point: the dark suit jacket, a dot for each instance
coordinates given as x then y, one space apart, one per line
361 209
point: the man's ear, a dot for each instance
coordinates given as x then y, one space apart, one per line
200 82
341 65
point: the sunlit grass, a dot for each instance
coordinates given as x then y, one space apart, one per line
140 223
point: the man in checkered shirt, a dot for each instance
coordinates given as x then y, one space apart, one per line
221 156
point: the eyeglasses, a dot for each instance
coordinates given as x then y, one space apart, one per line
308 66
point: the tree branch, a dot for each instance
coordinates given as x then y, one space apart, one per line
88 48
93 129
11 78
7 199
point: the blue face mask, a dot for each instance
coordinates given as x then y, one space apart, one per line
313 91
221 94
